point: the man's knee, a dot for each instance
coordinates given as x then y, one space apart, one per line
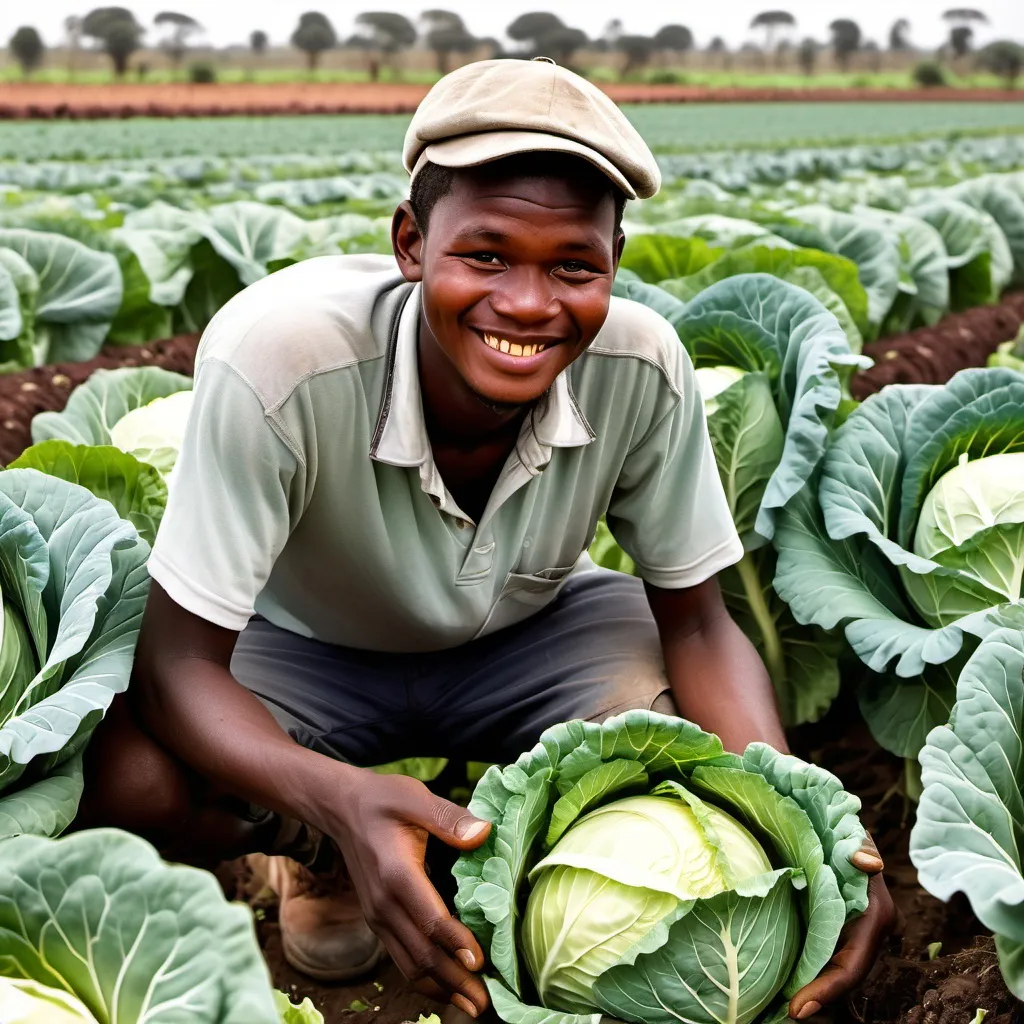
131 782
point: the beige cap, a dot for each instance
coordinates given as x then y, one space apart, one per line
496 108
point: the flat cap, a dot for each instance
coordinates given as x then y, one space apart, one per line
492 109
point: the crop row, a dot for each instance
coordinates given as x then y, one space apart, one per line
884 540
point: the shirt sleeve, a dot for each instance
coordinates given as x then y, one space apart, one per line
230 510
668 510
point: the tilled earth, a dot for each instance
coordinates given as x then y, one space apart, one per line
25 100
931 355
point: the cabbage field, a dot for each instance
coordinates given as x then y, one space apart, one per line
881 579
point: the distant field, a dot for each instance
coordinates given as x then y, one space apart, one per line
736 79
667 127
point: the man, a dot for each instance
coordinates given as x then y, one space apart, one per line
376 542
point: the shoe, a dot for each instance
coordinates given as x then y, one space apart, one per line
323 932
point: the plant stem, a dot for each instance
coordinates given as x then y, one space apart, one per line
771 647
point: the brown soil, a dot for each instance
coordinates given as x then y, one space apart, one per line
931 355
46 388
23 100
905 987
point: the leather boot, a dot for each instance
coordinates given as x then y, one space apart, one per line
323 932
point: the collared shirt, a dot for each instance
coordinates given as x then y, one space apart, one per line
306 489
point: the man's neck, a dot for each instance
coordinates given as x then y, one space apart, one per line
454 414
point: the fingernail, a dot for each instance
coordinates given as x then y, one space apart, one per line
868 862
470 829
464 1004
809 1010
466 958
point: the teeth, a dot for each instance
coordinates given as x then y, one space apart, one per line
511 348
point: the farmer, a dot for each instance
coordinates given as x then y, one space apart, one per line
375 544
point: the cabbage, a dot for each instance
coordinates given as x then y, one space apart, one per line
23 1001
713 380
618 872
912 541
972 519
637 870
154 433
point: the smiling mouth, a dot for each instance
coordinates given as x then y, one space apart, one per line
511 348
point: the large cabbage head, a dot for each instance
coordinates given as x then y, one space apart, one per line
622 869
973 518
636 870
155 432
914 541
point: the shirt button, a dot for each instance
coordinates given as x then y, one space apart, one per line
461 523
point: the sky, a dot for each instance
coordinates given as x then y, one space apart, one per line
231 21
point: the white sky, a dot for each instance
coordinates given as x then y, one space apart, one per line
230 21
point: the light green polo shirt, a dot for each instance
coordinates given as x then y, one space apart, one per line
306 490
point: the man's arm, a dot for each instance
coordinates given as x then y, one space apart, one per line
719 681
185 695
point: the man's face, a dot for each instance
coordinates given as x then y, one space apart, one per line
517 277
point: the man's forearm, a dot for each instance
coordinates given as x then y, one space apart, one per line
230 738
717 677
186 698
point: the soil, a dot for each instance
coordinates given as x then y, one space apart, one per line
25 100
46 388
931 355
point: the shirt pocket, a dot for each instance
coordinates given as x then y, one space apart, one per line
523 595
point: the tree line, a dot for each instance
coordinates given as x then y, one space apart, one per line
384 34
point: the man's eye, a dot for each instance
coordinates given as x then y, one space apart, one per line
575 267
484 257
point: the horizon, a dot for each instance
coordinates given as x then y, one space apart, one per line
230 23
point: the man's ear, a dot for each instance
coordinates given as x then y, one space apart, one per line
407 242
620 244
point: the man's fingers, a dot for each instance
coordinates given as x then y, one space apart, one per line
867 858
449 822
425 960
853 960
424 906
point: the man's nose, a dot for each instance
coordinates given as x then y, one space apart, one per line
527 295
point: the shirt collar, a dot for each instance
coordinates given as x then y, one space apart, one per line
401 436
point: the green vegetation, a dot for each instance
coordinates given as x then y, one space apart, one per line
674 903
667 127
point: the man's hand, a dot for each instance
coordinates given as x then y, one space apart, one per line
859 943
382 828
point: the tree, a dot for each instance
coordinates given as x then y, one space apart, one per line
258 42
117 32
770 21
182 27
961 32
73 30
673 38
720 48
533 26
28 49
445 33
960 37
899 36
314 36
386 32
874 55
638 50
545 34
807 55
845 40
1003 58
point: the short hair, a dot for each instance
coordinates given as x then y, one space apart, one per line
434 182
